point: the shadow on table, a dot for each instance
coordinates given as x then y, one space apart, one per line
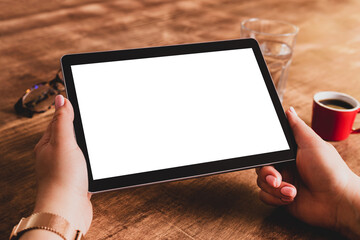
232 201
280 222
222 204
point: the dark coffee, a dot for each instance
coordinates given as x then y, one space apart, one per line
336 103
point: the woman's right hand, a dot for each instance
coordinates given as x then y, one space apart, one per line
321 190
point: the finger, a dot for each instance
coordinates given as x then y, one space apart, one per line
62 130
288 171
270 175
271 200
44 139
47 135
304 135
285 191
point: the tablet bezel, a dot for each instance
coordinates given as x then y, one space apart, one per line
182 172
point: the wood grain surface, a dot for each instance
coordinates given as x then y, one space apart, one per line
35 34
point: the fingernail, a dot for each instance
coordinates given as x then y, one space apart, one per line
288 191
271 180
293 110
59 101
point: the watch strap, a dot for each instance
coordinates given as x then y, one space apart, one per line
47 221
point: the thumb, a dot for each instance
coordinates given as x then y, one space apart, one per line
62 129
305 137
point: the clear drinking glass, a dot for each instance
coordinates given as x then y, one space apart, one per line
277 41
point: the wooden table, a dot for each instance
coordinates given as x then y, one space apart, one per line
35 34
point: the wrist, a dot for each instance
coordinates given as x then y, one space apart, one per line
348 211
75 209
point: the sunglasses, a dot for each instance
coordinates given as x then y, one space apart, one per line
40 97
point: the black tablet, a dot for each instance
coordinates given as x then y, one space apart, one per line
167 113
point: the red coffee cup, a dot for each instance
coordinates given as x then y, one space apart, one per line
334 115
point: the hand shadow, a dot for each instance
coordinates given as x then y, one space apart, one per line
280 223
205 206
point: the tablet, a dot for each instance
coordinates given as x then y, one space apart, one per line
166 113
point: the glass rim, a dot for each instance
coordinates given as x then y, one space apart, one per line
296 28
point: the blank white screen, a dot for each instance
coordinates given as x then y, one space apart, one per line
156 113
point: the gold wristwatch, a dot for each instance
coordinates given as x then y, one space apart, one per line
46 221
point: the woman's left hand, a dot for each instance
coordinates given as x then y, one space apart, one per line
61 170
